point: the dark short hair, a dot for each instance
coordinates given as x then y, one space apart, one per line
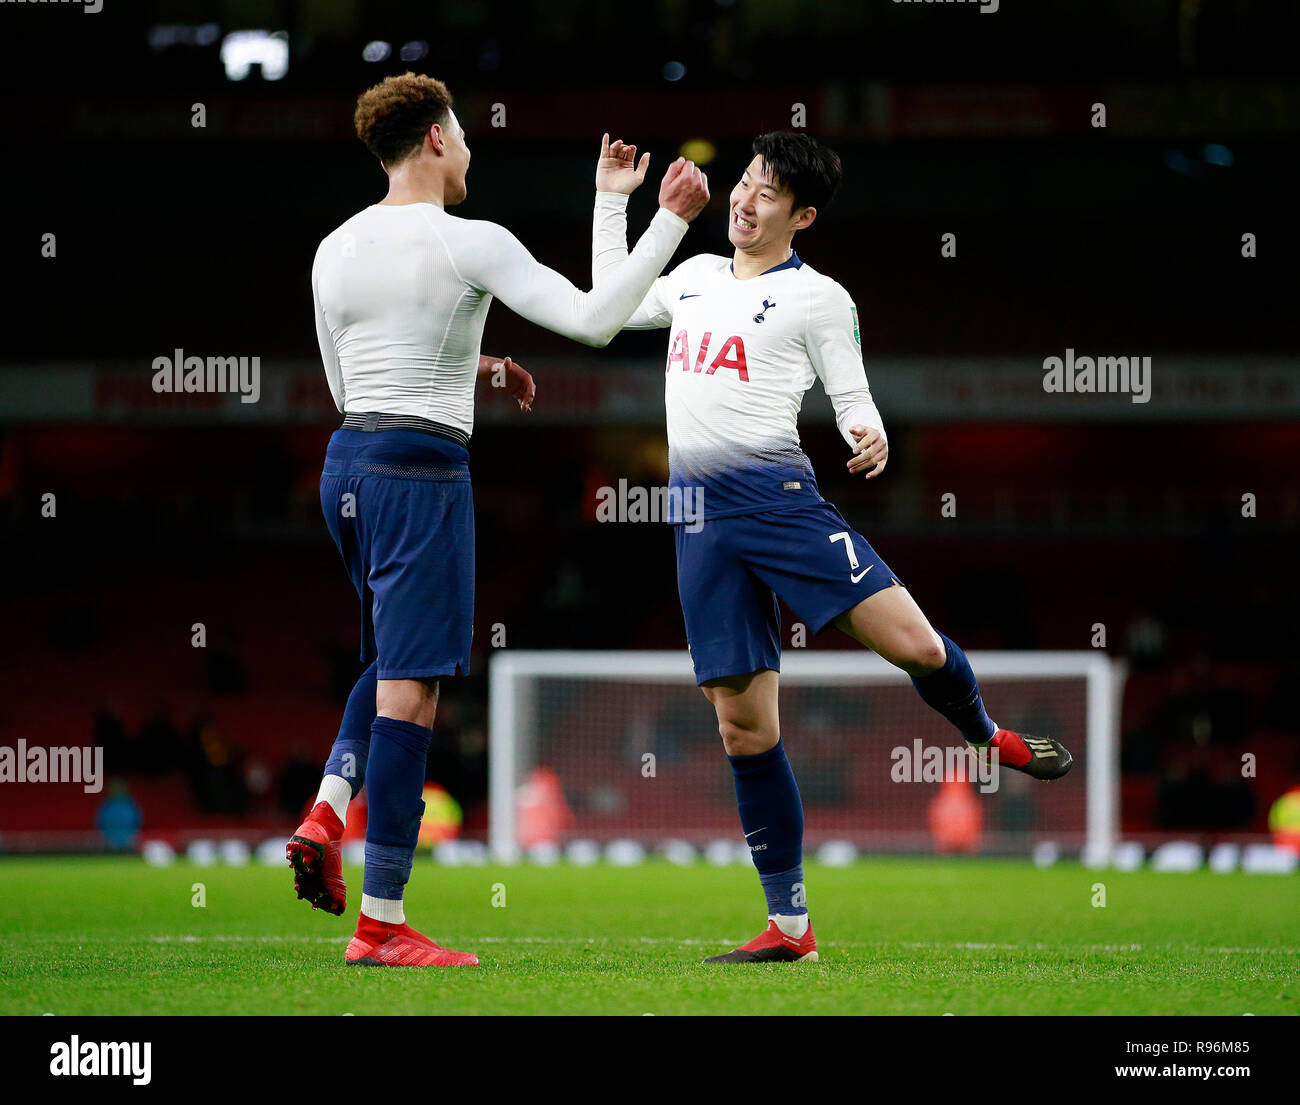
801 165
393 117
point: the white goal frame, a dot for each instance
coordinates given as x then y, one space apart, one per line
510 674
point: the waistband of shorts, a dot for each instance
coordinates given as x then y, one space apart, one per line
373 423
399 452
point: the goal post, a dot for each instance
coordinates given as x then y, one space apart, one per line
635 750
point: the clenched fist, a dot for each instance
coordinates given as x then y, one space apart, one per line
685 189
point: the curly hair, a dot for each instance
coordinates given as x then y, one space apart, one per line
393 117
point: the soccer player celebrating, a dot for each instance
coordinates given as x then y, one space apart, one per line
401 293
749 335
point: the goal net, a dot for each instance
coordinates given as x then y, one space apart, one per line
606 746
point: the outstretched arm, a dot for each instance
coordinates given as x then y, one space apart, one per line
499 264
609 250
618 175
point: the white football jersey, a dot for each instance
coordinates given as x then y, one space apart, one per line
741 354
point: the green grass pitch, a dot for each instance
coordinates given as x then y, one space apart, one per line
896 936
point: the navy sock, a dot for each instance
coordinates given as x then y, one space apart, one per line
771 815
352 745
952 691
398 753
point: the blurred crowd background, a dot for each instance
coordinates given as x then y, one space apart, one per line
1072 511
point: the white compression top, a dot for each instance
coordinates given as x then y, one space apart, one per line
402 292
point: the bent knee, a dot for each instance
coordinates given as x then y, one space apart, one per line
921 653
741 740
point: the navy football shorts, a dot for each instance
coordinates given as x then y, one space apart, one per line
732 571
399 506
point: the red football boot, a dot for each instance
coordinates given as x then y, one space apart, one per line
377 944
316 857
1038 757
772 946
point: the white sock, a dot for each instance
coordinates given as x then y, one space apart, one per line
337 791
387 910
793 925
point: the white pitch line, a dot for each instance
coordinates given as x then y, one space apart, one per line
1040 947
883 946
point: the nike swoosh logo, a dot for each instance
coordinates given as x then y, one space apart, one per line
864 571
748 835
693 295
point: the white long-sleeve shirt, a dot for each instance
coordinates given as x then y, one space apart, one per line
401 294
742 353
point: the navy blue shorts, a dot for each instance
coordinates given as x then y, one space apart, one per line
399 506
732 571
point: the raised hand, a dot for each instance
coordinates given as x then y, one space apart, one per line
685 189
618 170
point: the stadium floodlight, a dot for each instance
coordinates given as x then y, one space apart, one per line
632 742
241 50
